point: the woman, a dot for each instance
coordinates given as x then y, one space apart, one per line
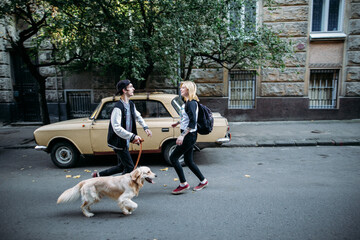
187 139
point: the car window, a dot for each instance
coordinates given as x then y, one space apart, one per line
106 110
148 109
151 109
177 102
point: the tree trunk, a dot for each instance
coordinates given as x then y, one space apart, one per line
148 71
189 68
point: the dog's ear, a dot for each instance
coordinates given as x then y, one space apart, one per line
136 174
139 180
136 177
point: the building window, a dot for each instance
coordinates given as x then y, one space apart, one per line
242 89
327 15
243 16
323 89
78 103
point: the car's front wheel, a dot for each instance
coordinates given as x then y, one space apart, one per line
169 148
64 155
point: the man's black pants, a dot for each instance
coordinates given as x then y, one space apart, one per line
125 164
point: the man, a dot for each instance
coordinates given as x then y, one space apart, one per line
122 130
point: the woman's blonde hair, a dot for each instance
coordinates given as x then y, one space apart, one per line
191 86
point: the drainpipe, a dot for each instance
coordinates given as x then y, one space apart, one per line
57 93
179 73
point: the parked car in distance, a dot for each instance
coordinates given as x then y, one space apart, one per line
67 140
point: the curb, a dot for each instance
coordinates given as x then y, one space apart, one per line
277 143
296 143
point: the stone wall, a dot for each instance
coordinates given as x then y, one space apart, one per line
209 81
352 86
290 20
6 89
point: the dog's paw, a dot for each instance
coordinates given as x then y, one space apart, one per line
126 213
89 215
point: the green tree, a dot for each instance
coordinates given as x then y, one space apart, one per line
227 35
29 26
132 38
138 38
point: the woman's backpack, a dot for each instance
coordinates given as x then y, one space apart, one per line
205 122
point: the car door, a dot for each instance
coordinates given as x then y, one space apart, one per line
159 121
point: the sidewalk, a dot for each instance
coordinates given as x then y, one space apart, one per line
295 133
19 136
244 134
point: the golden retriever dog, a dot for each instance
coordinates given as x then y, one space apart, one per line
120 188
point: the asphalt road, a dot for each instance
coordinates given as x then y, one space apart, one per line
254 193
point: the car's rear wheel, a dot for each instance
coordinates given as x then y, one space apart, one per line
64 155
169 148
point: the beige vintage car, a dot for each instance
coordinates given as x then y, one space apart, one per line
67 140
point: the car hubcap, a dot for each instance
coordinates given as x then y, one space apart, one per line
63 155
181 159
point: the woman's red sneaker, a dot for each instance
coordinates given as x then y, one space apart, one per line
201 186
180 189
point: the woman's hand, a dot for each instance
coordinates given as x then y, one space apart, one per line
175 124
180 140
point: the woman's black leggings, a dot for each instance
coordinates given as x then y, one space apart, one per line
187 148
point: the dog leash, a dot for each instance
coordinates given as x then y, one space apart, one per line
138 159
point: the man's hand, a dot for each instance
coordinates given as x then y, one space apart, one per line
148 132
137 140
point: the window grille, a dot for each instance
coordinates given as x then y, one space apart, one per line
242 89
323 89
78 104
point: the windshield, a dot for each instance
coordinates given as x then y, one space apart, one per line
177 102
92 116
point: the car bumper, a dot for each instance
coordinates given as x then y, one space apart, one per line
225 139
40 148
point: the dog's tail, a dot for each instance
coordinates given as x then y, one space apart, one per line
70 195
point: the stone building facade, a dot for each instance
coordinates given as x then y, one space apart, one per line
299 92
321 79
